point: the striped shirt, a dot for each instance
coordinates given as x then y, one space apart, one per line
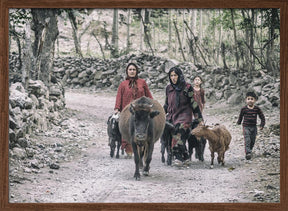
250 116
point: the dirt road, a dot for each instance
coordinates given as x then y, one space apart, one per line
88 174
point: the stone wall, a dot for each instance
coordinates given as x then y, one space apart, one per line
219 84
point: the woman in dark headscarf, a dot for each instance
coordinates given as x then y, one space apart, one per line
180 107
129 90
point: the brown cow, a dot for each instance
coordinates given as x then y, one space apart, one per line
142 123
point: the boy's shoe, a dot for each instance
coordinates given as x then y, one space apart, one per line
248 156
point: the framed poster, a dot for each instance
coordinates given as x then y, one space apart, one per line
169 203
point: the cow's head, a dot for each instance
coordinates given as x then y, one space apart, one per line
143 114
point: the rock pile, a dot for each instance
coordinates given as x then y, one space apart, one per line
32 110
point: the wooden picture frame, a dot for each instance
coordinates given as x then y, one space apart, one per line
4 98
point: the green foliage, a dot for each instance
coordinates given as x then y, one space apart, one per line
19 17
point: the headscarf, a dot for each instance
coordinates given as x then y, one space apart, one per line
132 80
180 84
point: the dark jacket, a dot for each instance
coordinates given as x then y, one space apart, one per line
187 105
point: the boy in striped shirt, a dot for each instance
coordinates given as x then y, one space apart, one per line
249 113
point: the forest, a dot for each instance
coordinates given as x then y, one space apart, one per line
242 39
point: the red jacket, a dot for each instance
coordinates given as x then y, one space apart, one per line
125 94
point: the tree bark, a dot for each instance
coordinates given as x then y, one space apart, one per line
147 36
235 38
128 31
195 41
115 38
223 52
27 56
179 40
72 20
102 51
169 29
46 31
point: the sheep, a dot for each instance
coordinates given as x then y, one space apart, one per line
218 137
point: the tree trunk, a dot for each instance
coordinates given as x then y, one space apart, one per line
270 46
219 40
201 26
169 29
247 38
179 40
128 31
46 32
223 52
235 38
147 28
252 37
195 40
146 35
141 29
27 57
72 20
194 21
17 39
115 38
183 40
101 48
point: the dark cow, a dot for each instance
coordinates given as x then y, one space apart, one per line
142 123
166 140
114 134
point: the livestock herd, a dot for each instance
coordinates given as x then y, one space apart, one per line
143 122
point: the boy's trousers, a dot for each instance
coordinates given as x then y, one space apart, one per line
249 137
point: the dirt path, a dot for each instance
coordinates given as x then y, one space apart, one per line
88 174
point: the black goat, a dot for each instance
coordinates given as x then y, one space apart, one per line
166 140
199 145
114 134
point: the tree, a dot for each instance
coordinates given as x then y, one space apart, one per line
235 37
115 38
72 19
45 28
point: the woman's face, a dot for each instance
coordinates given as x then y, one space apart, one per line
131 71
173 77
197 81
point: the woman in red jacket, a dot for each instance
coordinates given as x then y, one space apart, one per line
129 90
